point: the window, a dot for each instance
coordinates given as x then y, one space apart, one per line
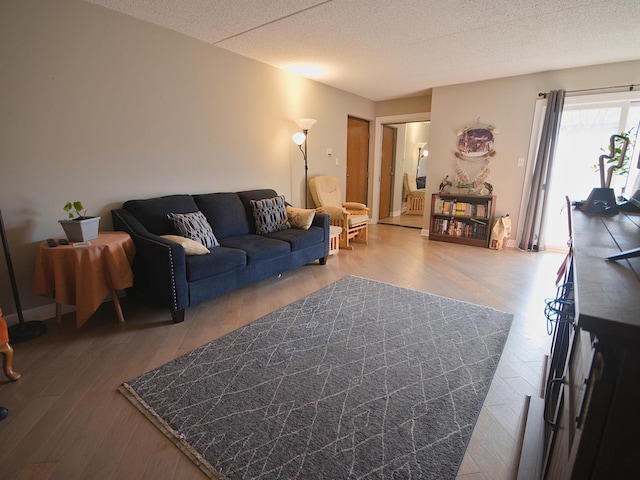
587 123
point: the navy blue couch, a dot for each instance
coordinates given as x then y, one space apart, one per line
163 274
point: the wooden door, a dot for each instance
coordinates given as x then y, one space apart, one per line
357 160
386 170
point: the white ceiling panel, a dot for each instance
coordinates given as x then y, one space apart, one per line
383 49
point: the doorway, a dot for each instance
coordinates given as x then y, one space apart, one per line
404 152
357 160
387 173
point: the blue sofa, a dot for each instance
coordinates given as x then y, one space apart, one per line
164 275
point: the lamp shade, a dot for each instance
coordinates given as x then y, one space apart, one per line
305 123
298 138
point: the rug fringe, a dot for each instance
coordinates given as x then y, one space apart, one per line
173 436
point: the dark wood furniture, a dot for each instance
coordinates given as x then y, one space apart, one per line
591 409
460 218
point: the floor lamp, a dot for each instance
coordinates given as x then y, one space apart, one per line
23 330
300 138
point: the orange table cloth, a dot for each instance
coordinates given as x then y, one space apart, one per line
85 275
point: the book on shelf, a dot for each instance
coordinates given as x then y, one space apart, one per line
460 228
461 209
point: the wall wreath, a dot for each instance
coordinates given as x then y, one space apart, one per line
475 148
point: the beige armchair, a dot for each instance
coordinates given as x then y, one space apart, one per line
415 197
352 217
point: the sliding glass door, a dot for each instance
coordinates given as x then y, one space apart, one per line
587 123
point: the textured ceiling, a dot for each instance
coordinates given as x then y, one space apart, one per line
383 49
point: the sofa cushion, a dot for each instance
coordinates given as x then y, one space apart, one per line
191 247
257 247
225 212
220 260
195 226
248 195
300 217
298 238
152 212
270 215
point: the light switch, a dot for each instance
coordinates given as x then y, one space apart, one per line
521 162
337 161
329 152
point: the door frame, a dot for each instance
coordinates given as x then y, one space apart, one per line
377 155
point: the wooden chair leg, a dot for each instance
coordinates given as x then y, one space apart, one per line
7 353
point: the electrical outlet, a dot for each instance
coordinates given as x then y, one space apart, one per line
521 162
329 152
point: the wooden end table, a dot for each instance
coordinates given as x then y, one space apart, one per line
85 275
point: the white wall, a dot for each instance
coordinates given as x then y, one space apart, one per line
507 104
100 107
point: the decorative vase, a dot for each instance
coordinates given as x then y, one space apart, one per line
81 229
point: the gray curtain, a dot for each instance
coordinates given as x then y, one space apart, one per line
534 222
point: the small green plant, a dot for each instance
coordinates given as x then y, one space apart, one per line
75 210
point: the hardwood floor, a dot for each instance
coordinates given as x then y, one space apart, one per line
404 220
68 421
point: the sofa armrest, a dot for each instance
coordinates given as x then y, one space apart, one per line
159 265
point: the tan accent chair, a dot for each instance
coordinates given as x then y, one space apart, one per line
414 197
352 217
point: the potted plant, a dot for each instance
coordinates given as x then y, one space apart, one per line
79 227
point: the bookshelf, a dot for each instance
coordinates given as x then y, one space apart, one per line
460 218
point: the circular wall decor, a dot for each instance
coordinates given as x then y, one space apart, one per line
475 142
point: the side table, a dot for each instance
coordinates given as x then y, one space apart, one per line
85 275
334 239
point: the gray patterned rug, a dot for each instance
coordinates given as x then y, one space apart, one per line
360 380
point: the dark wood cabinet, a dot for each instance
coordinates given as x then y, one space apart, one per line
591 412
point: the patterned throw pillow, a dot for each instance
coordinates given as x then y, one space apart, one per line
194 226
300 217
191 247
270 215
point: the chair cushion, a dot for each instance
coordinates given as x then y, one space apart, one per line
325 190
195 226
358 219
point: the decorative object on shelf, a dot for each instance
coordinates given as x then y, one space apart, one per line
300 138
445 184
79 227
603 200
23 330
475 145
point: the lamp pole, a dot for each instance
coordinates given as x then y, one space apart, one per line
306 171
299 138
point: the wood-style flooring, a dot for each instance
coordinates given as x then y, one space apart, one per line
404 220
67 420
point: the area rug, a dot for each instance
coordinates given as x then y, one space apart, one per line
360 380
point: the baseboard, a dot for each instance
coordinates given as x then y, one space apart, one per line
43 312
